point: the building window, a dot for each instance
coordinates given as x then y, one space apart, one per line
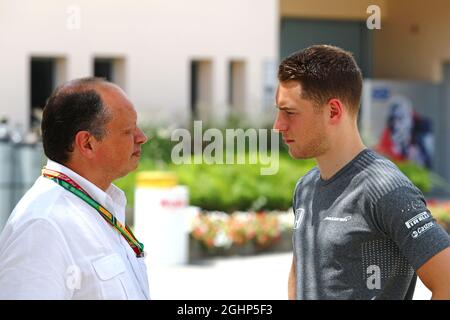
112 69
103 68
354 36
200 89
236 86
45 74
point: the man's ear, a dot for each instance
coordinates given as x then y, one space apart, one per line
84 143
335 110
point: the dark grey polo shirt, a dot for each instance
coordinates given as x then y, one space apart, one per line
362 233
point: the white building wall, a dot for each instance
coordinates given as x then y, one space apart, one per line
156 38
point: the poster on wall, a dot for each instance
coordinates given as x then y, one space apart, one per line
393 126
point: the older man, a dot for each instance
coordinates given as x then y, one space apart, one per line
67 237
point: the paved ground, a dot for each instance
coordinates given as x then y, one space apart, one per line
262 277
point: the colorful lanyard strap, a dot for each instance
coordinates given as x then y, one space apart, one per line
70 185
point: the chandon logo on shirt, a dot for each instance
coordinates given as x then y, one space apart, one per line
414 205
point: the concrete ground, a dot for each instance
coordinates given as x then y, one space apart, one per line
260 277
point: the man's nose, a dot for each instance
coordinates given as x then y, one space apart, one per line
141 138
279 125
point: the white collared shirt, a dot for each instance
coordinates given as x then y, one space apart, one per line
56 246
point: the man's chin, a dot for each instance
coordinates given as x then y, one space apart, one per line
135 165
132 167
298 155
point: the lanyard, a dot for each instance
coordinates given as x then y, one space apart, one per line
70 185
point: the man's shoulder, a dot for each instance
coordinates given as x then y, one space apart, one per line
307 178
45 200
379 175
372 164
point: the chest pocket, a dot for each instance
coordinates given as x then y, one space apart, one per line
110 271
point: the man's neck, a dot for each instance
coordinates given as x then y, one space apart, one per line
97 177
339 154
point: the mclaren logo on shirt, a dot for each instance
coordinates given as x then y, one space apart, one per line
415 220
299 215
344 219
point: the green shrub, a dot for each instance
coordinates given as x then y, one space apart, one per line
231 187
238 186
159 146
420 176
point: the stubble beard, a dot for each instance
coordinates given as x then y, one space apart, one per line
315 148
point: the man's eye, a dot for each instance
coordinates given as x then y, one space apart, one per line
288 112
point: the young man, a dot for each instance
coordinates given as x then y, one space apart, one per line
67 238
362 229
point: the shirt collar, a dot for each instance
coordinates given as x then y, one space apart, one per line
113 197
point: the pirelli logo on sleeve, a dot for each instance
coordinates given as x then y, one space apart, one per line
416 219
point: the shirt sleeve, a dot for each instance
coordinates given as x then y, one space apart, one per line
403 216
33 263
